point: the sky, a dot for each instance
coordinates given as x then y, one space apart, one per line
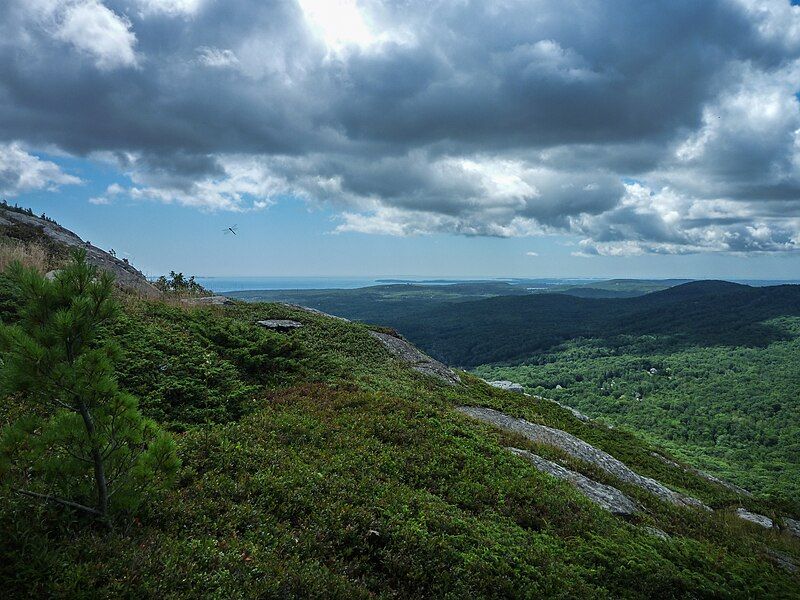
411 138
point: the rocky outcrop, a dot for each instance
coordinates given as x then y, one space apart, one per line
416 359
760 520
575 412
707 476
508 386
579 449
127 276
656 532
282 325
792 526
726 484
605 496
210 301
783 560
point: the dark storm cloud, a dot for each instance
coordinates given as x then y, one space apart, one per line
643 126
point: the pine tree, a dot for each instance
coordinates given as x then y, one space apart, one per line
81 441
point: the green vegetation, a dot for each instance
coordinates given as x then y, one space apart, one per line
190 367
178 285
732 411
314 464
79 441
728 404
511 329
459 330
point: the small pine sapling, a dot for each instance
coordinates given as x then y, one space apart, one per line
81 442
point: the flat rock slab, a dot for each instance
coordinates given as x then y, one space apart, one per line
579 449
279 324
783 560
726 484
605 496
761 520
416 359
508 386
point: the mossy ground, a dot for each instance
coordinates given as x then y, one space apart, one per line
314 464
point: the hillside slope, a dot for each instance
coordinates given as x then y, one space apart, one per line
25 227
316 463
510 328
328 459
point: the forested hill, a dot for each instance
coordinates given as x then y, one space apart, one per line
513 327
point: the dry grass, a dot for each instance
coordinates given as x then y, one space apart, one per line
29 254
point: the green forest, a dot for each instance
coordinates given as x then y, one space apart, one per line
732 411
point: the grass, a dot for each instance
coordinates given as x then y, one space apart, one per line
315 465
30 254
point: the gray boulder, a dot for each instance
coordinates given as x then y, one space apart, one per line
210 301
577 448
416 359
761 520
281 325
508 386
605 496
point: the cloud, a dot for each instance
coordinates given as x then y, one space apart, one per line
236 184
531 254
21 172
215 57
664 222
89 27
112 191
637 129
170 8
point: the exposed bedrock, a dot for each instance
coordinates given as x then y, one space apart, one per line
606 496
416 359
577 448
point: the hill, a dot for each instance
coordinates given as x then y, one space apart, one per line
21 229
735 416
330 459
383 303
506 329
325 467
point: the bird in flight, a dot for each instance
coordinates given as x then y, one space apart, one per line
232 229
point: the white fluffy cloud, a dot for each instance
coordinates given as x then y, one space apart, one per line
95 30
242 183
23 172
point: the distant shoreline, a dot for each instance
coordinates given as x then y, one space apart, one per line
239 284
